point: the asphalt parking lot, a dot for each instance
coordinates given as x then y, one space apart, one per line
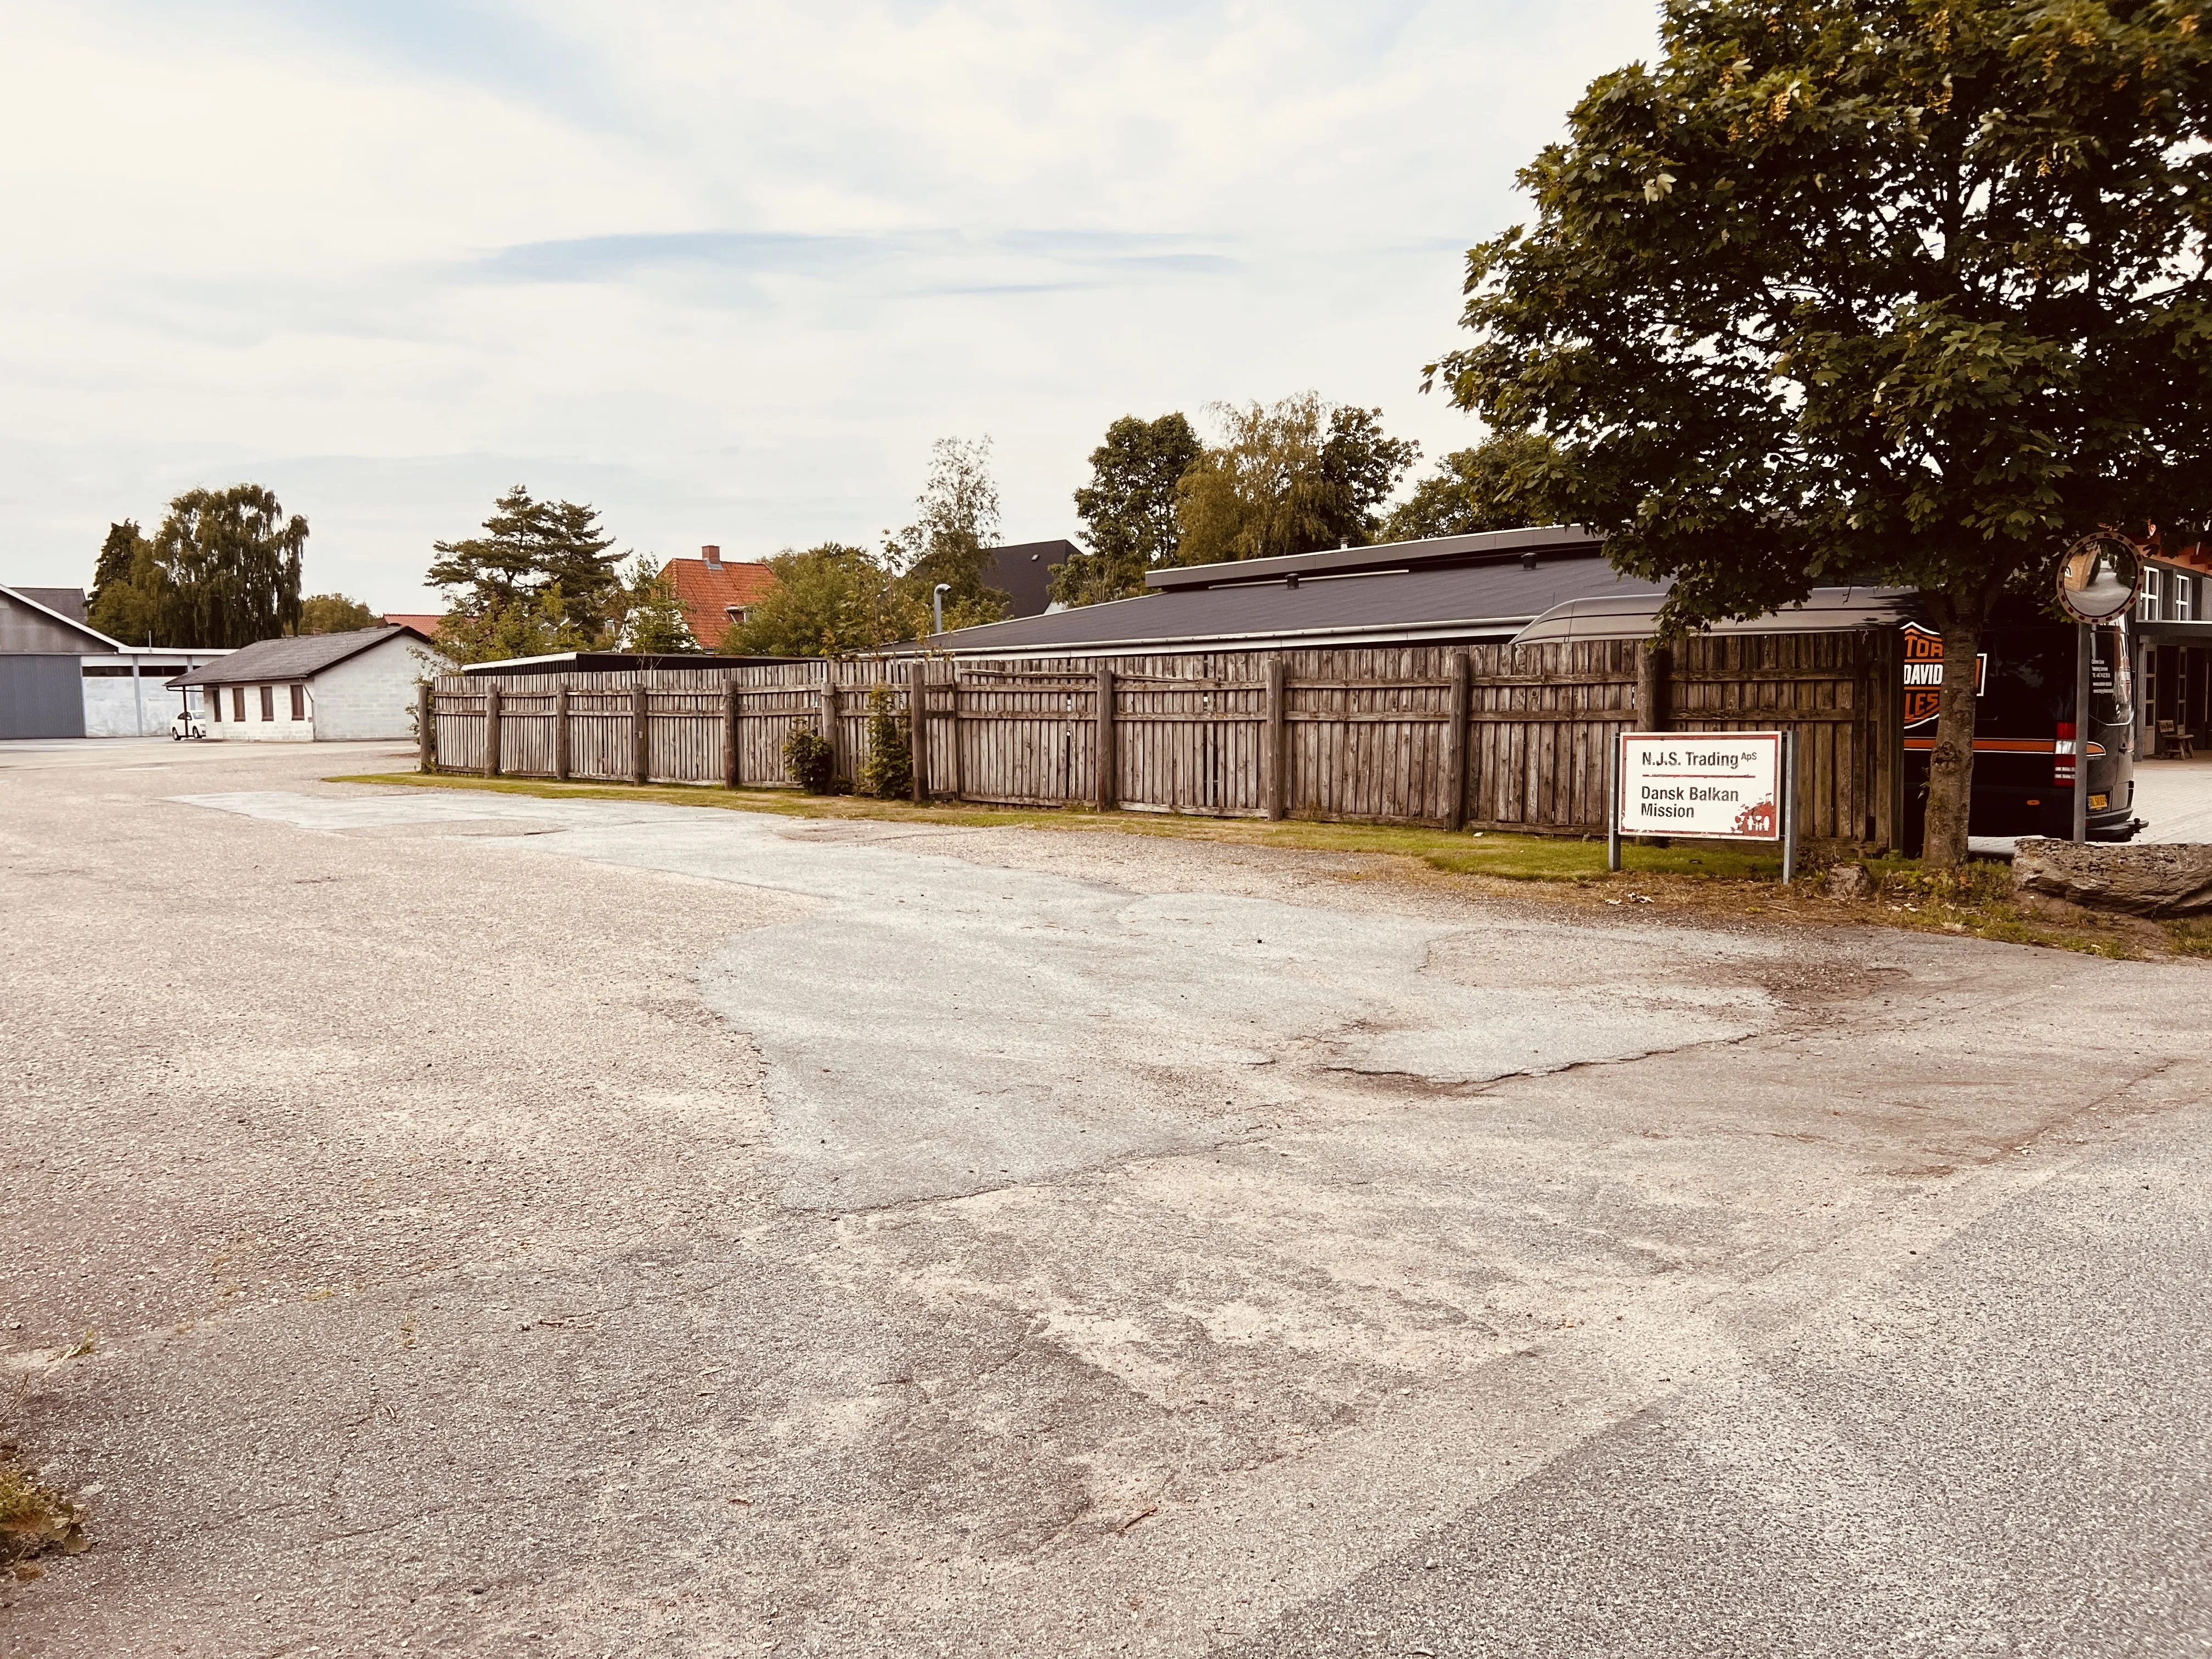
512 1226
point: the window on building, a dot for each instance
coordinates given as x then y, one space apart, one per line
268 702
2185 598
298 703
214 703
238 703
2148 608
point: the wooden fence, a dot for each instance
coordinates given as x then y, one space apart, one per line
1486 736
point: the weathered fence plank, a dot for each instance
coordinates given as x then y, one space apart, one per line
1488 736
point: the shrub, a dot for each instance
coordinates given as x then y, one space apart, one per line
812 760
888 772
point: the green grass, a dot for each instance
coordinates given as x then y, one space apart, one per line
1460 853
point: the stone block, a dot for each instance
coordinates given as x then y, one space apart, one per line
2144 880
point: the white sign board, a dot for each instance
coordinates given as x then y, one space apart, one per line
1725 785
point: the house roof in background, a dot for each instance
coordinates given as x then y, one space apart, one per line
1409 601
298 657
1022 571
708 591
28 596
608 662
425 622
1489 546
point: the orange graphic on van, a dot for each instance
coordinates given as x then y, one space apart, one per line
1923 674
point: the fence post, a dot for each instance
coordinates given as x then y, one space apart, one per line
1456 743
952 708
1275 752
830 731
639 736
1653 662
732 750
561 763
491 732
1888 748
917 722
426 726
1102 757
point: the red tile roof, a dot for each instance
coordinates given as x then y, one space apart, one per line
425 624
708 591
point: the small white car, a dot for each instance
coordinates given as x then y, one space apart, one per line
185 725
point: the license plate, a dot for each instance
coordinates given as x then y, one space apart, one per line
2097 802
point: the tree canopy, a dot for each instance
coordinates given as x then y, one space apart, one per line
1908 290
1496 485
223 570
1296 477
531 549
828 601
130 594
654 619
1128 508
334 613
956 524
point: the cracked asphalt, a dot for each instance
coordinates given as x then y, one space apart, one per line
513 1226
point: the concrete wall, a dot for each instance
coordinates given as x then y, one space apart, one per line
373 694
111 706
280 728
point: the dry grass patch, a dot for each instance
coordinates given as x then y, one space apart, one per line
34 1519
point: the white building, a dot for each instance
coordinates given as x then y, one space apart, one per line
128 691
329 687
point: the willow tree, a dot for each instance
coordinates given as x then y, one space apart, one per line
229 561
1903 290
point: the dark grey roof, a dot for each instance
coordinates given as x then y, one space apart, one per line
602 662
1630 615
1406 602
1483 547
62 601
295 657
40 626
1023 571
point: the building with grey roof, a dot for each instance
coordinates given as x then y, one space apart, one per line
311 687
1452 590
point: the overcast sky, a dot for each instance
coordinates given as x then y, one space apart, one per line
723 271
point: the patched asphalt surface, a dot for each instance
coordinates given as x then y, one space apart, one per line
515 1226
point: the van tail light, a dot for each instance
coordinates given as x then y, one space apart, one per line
2061 762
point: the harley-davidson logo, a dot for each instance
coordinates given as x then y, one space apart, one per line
1923 674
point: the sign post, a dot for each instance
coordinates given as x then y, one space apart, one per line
2098 580
1612 806
2085 661
1714 786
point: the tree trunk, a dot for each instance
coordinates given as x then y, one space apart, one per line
1951 763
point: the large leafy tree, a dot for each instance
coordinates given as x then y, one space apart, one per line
1128 508
956 526
654 619
224 570
1496 485
1292 477
334 613
529 550
828 601
130 593
1913 290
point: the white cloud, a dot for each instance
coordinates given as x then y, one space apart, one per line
723 271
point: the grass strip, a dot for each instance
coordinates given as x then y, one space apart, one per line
1701 877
